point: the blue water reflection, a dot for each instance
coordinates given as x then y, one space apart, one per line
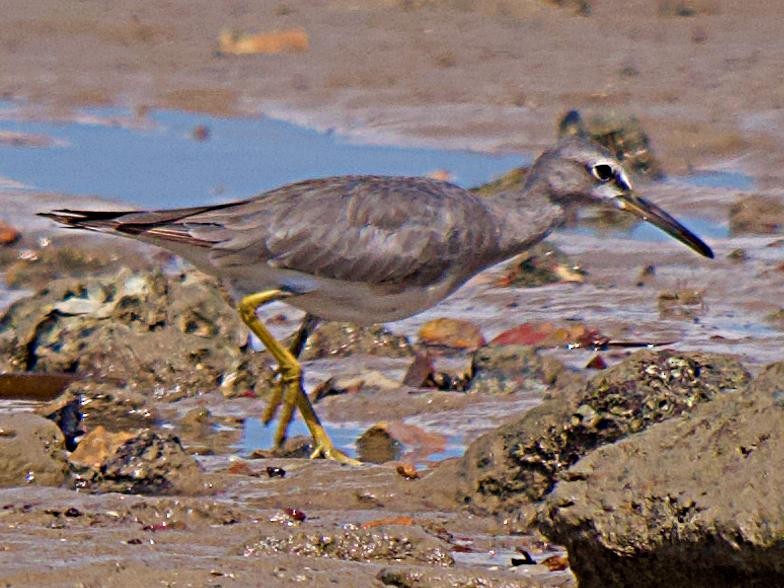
162 165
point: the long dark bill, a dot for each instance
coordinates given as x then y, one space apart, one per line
648 211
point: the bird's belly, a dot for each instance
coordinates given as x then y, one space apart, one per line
339 300
361 304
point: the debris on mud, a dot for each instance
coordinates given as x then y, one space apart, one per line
683 304
689 502
32 451
135 463
421 577
385 543
68 257
232 42
540 265
757 214
172 335
520 462
335 339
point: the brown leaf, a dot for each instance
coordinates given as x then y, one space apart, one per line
398 520
288 41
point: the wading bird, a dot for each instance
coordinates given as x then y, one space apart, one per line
372 249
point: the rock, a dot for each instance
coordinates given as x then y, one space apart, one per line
543 335
393 440
300 447
757 214
423 374
519 463
367 380
623 135
196 420
333 339
691 502
111 407
540 265
377 445
135 463
176 335
65 411
596 363
8 234
98 446
683 304
506 369
32 451
452 333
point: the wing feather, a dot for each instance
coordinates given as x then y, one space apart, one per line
377 230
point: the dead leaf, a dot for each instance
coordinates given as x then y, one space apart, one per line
288 41
398 520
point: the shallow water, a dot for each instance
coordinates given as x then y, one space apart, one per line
155 161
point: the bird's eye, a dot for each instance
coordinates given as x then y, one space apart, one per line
603 172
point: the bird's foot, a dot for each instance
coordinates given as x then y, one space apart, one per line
325 449
287 394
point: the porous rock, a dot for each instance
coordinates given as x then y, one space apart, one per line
146 462
695 501
519 463
174 335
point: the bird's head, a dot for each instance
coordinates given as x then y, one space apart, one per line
579 171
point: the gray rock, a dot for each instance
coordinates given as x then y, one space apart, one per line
504 369
32 450
519 463
146 463
695 501
758 214
177 335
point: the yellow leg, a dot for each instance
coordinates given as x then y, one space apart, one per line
290 378
296 345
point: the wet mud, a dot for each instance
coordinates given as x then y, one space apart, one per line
515 421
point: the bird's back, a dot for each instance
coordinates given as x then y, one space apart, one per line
369 229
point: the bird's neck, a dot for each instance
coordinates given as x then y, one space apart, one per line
525 217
